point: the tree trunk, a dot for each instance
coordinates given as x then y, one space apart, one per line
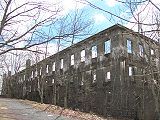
41 93
66 94
55 95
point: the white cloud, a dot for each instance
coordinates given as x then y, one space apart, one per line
111 3
99 18
68 5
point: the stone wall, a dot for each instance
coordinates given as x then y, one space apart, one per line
101 84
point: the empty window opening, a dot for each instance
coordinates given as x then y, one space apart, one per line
107 46
94 78
108 76
129 46
82 82
61 63
130 71
40 71
82 79
72 59
82 55
53 80
141 51
152 52
32 74
53 66
94 51
141 71
24 77
122 64
36 72
47 68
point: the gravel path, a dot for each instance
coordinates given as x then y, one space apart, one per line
11 109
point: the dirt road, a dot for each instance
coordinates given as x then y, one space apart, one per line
11 109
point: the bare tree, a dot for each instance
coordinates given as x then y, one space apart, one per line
20 21
77 27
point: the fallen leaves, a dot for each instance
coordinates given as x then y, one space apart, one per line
76 115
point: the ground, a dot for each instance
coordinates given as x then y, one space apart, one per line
13 109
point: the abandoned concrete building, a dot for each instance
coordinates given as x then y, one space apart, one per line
109 73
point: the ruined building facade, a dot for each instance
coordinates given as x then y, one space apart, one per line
111 73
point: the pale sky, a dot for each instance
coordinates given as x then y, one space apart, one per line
101 19
146 16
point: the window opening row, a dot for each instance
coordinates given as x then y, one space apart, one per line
107 50
140 46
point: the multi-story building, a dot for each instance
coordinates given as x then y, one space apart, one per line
113 73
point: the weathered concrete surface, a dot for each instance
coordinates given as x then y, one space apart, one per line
11 109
